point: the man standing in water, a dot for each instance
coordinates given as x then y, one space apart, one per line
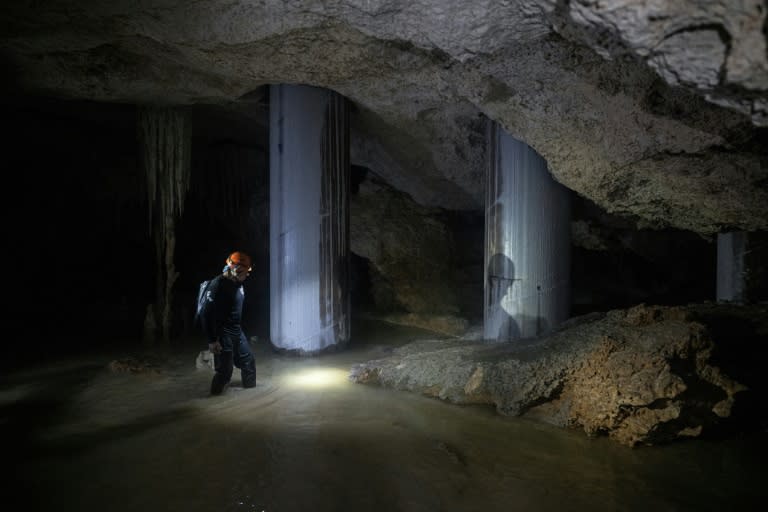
221 315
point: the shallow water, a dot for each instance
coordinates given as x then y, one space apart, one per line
306 439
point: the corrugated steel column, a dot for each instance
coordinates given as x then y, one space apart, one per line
731 266
309 219
527 242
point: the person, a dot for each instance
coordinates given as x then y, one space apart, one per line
221 316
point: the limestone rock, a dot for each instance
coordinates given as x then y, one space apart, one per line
647 108
645 375
709 46
584 235
412 255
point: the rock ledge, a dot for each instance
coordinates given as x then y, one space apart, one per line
646 375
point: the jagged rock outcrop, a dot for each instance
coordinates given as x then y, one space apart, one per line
647 108
645 375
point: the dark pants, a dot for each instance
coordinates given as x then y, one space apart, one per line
235 352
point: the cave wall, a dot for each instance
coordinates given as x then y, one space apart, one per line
424 264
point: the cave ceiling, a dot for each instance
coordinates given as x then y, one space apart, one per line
652 109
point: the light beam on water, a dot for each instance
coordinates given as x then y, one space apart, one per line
307 439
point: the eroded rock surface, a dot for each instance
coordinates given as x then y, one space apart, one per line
645 375
415 273
646 108
707 46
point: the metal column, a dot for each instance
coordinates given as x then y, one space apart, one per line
731 266
527 242
309 219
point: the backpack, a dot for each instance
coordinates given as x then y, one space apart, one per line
203 298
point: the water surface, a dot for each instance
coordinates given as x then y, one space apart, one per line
306 439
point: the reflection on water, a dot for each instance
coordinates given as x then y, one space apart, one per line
305 439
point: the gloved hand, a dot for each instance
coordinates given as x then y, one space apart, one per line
215 347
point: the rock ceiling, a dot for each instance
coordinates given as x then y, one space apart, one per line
655 109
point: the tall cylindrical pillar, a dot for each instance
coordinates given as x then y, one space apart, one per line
309 219
731 266
527 242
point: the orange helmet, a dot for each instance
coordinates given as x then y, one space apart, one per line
239 258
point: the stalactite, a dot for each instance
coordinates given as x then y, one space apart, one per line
165 141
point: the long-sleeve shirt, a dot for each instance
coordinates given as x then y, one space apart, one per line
223 309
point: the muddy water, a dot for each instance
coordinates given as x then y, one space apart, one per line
305 439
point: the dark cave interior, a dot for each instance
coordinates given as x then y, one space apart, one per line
82 241
653 116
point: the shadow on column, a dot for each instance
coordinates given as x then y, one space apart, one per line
506 319
500 326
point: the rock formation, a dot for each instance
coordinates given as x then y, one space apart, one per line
417 277
644 375
647 108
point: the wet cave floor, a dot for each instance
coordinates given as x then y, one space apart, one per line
81 437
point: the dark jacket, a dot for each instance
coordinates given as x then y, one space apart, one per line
222 312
